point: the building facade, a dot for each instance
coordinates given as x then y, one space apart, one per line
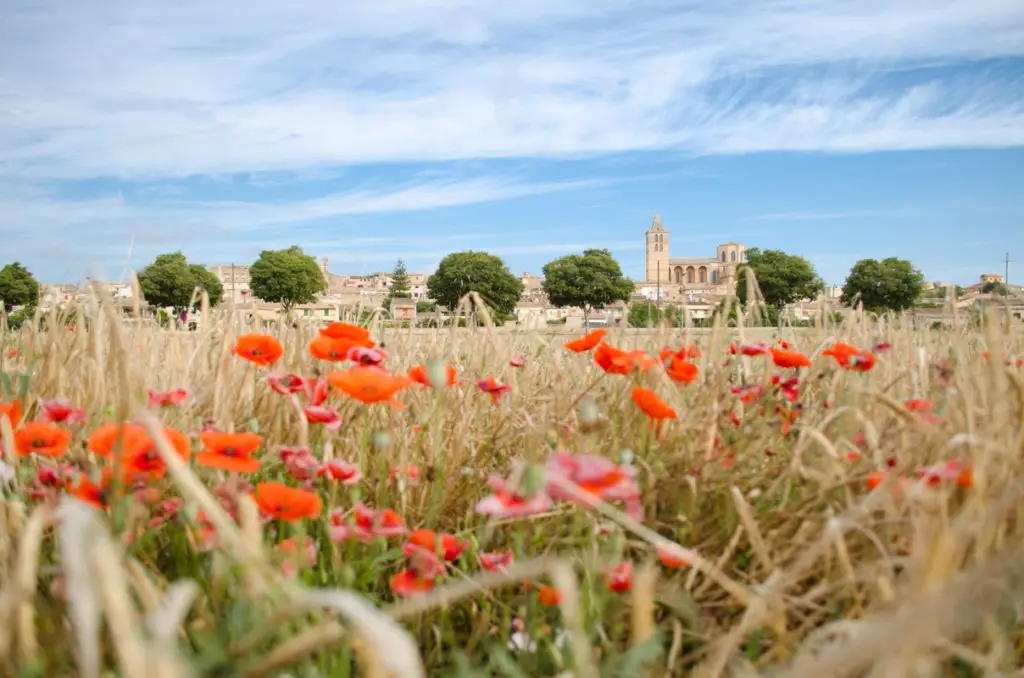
703 276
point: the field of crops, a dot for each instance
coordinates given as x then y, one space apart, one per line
843 501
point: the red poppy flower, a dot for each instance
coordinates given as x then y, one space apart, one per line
447 545
230 451
289 504
261 349
167 398
42 438
587 342
61 411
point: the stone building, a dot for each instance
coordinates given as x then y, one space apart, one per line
685 276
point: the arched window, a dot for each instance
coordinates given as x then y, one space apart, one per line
714 277
733 257
723 257
703 274
689 274
679 275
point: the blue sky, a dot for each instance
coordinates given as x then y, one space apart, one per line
368 130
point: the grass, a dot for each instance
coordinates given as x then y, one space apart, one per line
797 563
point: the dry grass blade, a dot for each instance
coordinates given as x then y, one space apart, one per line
563 577
390 645
77 528
915 623
25 575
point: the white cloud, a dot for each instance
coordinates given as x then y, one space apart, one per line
182 88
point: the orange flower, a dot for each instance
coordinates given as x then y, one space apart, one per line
850 357
549 596
616 361
290 504
330 348
448 545
102 441
653 406
680 370
874 479
143 458
672 557
369 384
419 374
41 437
230 451
12 411
261 349
586 342
842 352
784 358
358 336
94 494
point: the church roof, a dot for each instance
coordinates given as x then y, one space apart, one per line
656 226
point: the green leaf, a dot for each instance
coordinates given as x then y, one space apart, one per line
5 380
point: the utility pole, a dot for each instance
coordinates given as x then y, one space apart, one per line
659 285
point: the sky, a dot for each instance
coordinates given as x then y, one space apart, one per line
371 130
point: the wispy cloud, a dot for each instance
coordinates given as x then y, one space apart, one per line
183 88
828 216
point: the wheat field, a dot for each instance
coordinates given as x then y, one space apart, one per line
705 510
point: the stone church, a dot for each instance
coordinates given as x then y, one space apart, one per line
704 276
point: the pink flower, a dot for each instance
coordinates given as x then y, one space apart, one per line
620 577
316 391
518 361
164 511
498 561
290 547
748 394
490 385
366 356
507 503
347 474
299 463
318 414
60 411
167 398
286 383
368 524
584 477
427 563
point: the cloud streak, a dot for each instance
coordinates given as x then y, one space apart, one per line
185 88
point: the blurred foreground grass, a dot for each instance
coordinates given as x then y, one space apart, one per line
850 523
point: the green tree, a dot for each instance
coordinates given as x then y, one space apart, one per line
170 281
647 314
462 272
992 287
783 278
888 285
208 280
287 277
18 287
588 281
400 287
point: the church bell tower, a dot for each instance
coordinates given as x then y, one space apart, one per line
657 251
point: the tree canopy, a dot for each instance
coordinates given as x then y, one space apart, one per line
462 272
287 277
588 281
647 314
783 278
888 285
400 287
18 287
170 281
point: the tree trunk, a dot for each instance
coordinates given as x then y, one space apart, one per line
586 319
